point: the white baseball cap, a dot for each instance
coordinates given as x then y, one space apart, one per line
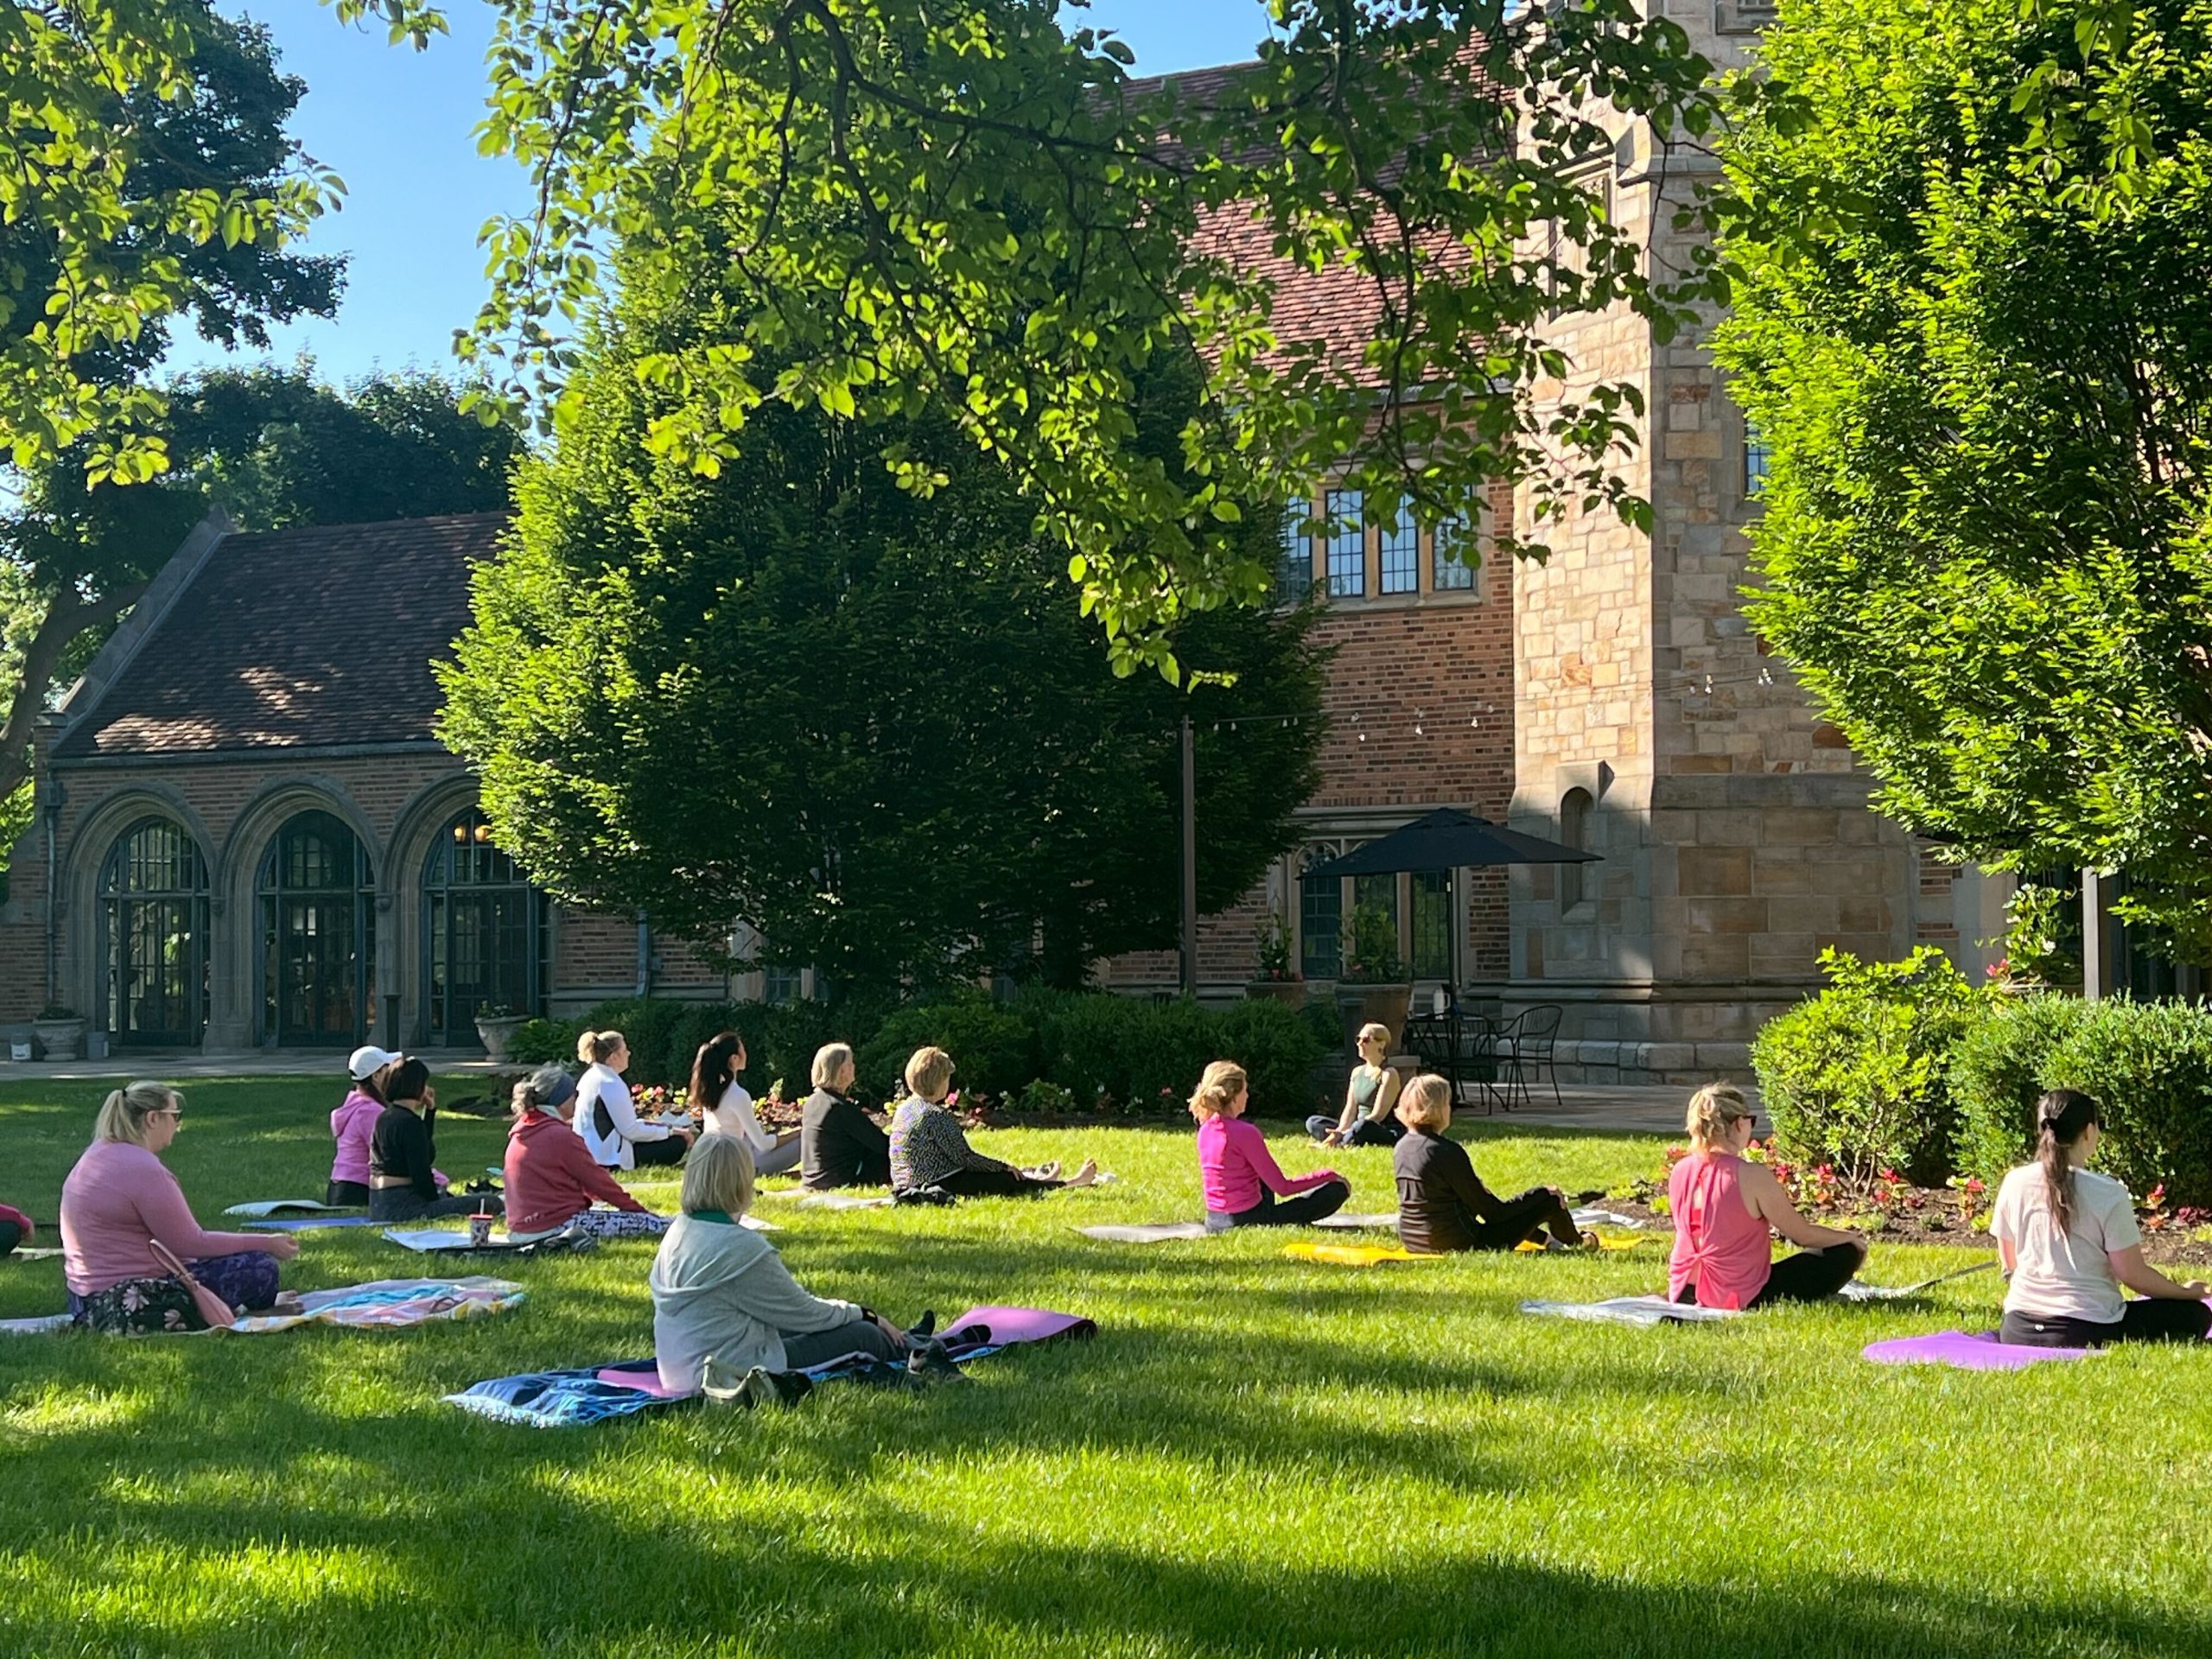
369 1060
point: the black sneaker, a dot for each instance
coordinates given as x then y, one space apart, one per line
928 1362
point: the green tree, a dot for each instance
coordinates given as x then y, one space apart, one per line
274 447
861 719
964 206
1986 381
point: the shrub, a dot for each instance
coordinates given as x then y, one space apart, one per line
1856 1075
1277 1049
993 1047
1997 1072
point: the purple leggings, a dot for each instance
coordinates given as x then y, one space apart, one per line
247 1279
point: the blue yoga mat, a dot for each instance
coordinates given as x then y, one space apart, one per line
308 1224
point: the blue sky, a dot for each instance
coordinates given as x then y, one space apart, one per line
398 126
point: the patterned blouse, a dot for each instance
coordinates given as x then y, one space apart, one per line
927 1144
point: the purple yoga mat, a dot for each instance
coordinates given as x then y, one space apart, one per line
1009 1325
1966 1350
642 1375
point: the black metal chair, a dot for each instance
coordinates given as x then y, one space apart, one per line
1433 1039
1525 1049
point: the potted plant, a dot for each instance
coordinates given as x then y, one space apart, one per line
496 1025
1278 975
1373 989
61 1032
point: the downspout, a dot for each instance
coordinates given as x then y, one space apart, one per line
644 957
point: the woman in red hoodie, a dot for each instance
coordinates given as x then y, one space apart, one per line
551 1176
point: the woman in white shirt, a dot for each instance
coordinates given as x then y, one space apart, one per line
2067 1240
608 1118
729 1110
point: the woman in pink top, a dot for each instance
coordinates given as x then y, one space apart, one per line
1242 1181
1723 1207
120 1198
355 1121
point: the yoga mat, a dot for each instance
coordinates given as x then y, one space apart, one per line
41 1253
387 1304
261 1209
1978 1351
307 1223
1638 1311
445 1241
1354 1256
44 1324
1384 1221
1859 1291
1147 1232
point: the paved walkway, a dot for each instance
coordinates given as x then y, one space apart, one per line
1598 1109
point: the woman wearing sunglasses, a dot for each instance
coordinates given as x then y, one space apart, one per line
121 1199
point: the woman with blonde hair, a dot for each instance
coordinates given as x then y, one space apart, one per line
608 1118
839 1143
2067 1240
1244 1186
929 1149
1723 1207
121 1200
722 1294
1369 1118
1442 1204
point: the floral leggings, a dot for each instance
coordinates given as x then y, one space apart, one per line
138 1307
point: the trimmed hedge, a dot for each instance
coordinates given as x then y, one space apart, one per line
2148 1064
1142 1057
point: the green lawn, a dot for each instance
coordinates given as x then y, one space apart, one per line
1256 1456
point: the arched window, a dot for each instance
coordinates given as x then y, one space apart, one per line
483 933
1573 831
153 919
318 929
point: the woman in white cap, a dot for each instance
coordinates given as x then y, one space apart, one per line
355 1121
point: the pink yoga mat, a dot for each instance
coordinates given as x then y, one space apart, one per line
1967 1352
1013 1324
645 1377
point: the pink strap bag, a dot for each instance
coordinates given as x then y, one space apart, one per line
213 1308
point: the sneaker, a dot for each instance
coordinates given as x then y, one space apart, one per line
763 1387
928 1362
922 1327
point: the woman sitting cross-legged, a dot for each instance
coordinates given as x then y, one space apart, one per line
930 1148
839 1143
1244 1186
729 1110
1723 1207
551 1179
608 1118
121 1199
1368 1119
2068 1240
403 1182
355 1121
1443 1204
721 1293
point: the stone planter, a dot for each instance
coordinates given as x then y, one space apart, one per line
1291 993
1380 1005
498 1035
59 1040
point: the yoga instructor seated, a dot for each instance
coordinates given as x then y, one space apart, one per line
551 1179
121 1199
1242 1181
1723 1206
720 1292
403 1182
839 1143
2067 1240
1443 1204
1369 1118
930 1148
608 1118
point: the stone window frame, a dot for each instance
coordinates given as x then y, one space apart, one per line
1578 902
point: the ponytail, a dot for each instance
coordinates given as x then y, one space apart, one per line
2062 1117
594 1046
1224 1081
548 1086
123 1114
1713 1110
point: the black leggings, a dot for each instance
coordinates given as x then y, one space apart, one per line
1528 1217
996 1184
820 1347
1271 1211
644 1155
2146 1320
1808 1276
10 1235
401 1204
1368 1132
345 1195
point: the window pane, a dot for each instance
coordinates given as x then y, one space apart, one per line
1450 575
778 986
1320 918
1347 545
1432 929
1755 462
1401 551
1294 559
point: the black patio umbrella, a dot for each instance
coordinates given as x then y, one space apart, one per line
1448 839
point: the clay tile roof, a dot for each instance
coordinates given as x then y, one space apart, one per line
298 638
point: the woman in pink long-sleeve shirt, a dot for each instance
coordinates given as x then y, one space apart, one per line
1243 1183
120 1198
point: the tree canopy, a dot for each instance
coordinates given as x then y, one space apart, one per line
865 721
966 208
1987 381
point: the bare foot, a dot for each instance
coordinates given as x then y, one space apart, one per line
1085 1176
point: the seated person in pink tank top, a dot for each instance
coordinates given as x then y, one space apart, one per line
1723 1207
1244 1186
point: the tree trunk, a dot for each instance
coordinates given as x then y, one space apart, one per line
65 619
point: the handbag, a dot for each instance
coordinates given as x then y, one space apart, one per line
213 1309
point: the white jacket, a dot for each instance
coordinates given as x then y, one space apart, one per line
600 1087
734 1113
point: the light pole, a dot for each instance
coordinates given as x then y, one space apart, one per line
1189 859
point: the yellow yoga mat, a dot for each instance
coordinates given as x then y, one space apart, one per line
1604 1243
1354 1256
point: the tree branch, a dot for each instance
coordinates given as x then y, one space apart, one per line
65 619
